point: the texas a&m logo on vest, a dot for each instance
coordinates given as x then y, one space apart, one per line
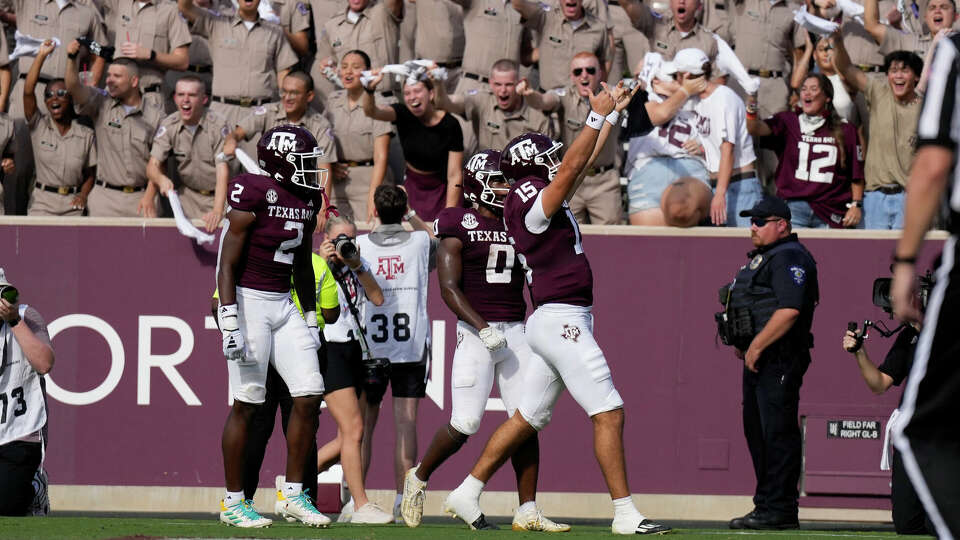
390 266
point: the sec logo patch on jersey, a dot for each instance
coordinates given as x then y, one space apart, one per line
469 222
271 196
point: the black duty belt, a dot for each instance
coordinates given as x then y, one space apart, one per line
62 190
199 69
766 73
476 77
243 102
206 192
367 163
450 65
593 171
152 88
388 93
869 68
42 78
125 189
890 189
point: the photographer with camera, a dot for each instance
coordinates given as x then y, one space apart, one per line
768 313
345 367
908 514
399 329
25 357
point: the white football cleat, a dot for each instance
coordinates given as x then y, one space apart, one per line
414 492
637 524
534 520
301 508
346 513
371 514
278 504
242 514
468 509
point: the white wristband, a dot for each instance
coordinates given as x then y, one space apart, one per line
410 215
595 120
613 117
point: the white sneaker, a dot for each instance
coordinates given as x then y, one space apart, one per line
468 509
301 508
637 524
371 514
278 483
242 514
411 506
534 520
346 513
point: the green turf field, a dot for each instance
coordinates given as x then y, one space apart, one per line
64 528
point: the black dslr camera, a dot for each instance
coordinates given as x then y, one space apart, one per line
9 293
346 247
376 376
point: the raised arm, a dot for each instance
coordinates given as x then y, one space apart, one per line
370 107
846 69
189 10
395 7
30 84
577 155
639 14
871 20
79 92
801 62
445 101
542 101
526 8
663 112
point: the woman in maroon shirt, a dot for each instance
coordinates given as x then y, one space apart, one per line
820 173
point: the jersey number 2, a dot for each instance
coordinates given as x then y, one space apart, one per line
284 253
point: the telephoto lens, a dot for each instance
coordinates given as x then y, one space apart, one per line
345 246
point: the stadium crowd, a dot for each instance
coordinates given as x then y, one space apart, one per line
144 97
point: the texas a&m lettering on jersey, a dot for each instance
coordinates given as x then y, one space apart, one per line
491 275
282 218
556 267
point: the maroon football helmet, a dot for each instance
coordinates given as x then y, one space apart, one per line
289 153
530 154
480 171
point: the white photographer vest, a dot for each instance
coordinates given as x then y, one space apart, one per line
22 408
398 329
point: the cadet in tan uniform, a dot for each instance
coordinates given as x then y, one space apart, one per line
939 15
630 45
65 149
562 34
322 11
598 200
295 21
6 151
195 137
716 17
294 108
499 113
372 27
362 143
767 42
682 31
439 35
492 30
44 19
124 123
152 33
250 59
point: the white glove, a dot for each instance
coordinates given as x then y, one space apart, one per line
234 347
492 338
311 318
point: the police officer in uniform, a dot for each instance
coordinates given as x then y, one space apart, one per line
768 312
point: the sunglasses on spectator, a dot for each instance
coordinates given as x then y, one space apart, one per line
50 93
760 221
590 71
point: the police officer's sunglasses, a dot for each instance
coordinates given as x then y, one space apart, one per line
592 70
60 92
761 221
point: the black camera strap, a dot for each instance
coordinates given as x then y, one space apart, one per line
341 275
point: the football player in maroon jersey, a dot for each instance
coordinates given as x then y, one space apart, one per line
482 283
268 239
